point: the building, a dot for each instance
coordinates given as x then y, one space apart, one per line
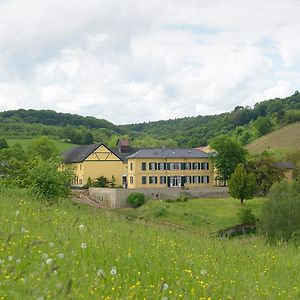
140 168
169 168
287 169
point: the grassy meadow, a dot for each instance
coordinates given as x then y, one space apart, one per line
70 251
282 140
203 215
61 145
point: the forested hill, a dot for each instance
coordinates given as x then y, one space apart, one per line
50 117
244 123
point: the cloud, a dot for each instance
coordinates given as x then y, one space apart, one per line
137 61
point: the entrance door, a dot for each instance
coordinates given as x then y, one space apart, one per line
175 181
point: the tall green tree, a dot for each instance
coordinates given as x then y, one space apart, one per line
229 153
3 143
241 184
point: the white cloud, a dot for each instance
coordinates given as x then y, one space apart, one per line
134 61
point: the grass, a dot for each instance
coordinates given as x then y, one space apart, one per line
204 215
69 251
61 146
283 139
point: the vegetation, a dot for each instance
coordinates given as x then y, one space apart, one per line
229 154
244 124
68 251
136 199
246 216
284 138
280 219
241 184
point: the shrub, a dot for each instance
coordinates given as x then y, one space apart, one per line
101 182
46 180
161 212
136 199
246 215
280 218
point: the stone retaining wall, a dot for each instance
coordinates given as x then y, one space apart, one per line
116 197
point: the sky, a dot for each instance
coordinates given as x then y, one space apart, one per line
138 61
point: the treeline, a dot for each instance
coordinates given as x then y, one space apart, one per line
245 124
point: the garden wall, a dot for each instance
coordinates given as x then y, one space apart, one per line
116 197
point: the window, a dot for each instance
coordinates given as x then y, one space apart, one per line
182 166
204 166
205 179
195 179
80 181
161 166
144 179
195 166
143 166
152 166
175 166
187 166
131 166
80 167
163 180
153 179
131 179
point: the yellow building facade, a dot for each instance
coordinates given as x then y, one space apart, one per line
161 168
140 168
93 161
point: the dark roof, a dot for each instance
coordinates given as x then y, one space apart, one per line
79 154
169 153
284 165
123 143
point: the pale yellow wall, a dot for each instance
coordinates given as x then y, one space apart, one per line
136 172
102 162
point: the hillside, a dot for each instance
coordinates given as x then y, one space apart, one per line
287 137
244 123
71 251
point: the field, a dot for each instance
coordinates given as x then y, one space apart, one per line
61 146
69 251
285 138
203 215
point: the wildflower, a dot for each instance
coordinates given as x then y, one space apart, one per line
100 273
1 261
203 272
81 227
51 244
18 261
129 255
83 245
45 256
113 271
9 258
165 286
164 298
49 261
23 230
17 212
61 255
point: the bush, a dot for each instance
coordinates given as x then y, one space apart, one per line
280 218
246 216
46 180
136 199
161 212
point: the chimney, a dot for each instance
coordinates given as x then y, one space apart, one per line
123 145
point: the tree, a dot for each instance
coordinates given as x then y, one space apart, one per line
263 125
280 219
241 184
88 138
265 172
101 182
43 147
229 154
3 143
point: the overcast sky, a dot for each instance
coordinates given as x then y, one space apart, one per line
134 61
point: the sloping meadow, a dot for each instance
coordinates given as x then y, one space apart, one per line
68 251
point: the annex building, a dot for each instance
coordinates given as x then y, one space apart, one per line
140 168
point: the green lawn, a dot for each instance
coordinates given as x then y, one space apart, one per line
61 146
205 215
